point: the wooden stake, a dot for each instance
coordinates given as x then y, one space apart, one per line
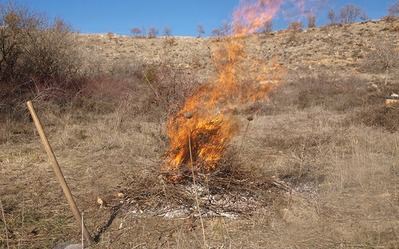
58 172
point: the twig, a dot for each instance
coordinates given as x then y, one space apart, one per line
195 189
243 137
250 118
82 229
152 88
5 224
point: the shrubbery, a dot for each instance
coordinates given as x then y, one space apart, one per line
36 56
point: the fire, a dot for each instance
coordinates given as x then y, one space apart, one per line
206 123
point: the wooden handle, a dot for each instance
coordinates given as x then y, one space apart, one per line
58 172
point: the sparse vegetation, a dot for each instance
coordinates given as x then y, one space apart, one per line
36 56
167 32
351 13
324 135
295 26
268 27
382 59
394 9
152 33
200 31
137 32
332 17
222 31
311 21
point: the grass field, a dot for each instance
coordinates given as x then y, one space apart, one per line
325 134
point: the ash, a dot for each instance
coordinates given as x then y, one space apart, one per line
228 198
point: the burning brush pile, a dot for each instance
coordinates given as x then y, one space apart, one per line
201 131
200 170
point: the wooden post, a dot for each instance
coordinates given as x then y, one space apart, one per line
58 172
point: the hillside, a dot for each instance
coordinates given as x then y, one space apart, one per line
336 48
315 165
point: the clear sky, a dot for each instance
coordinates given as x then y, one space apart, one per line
182 16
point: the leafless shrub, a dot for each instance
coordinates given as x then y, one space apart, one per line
222 31
323 90
379 116
167 88
383 59
136 32
167 32
351 13
36 56
152 33
311 21
268 27
390 19
169 39
295 26
332 17
394 9
200 31
332 93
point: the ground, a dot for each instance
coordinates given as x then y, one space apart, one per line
325 134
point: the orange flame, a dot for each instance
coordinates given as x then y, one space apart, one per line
206 120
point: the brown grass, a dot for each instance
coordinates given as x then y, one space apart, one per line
319 133
380 116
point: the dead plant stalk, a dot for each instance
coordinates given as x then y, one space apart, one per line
195 188
5 224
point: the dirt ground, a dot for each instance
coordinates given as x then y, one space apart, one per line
340 173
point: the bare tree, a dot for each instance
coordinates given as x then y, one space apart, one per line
137 32
152 33
167 32
311 21
351 13
268 27
217 32
394 9
169 39
383 59
222 31
295 26
200 31
332 17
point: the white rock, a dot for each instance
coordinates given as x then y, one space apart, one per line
74 246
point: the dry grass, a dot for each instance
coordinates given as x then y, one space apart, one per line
342 168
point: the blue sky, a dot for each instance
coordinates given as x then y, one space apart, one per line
182 16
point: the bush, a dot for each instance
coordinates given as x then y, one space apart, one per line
311 21
383 59
268 27
222 31
200 31
167 32
136 32
332 93
295 26
379 116
326 90
36 56
152 33
166 88
394 9
351 13
332 17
